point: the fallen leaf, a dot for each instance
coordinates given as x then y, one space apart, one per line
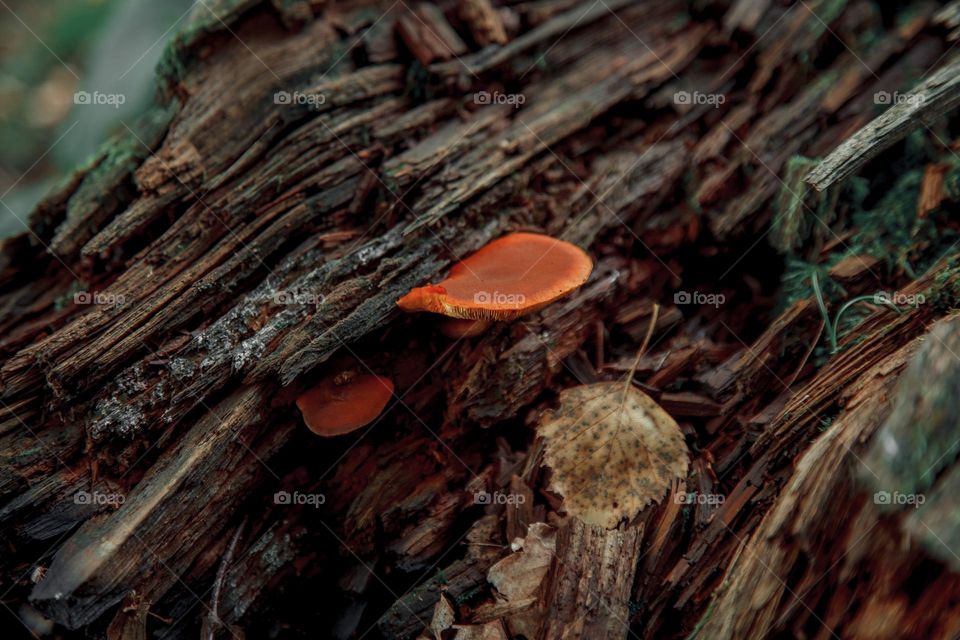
612 449
443 617
518 576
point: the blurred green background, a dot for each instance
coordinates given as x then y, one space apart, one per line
49 51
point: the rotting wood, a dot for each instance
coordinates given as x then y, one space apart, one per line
225 204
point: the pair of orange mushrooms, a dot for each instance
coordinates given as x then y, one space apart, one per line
509 277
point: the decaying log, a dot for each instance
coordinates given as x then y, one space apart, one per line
824 513
304 165
107 558
589 586
428 35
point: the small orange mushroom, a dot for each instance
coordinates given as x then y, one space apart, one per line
344 403
510 277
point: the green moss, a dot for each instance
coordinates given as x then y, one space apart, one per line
65 300
111 168
470 594
126 149
881 212
944 293
890 230
797 282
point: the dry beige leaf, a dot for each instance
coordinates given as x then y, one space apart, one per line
518 575
443 617
612 449
517 579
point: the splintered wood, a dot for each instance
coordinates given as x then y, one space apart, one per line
306 164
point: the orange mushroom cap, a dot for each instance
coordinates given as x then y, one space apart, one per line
335 407
512 276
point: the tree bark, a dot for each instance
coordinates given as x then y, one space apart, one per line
306 164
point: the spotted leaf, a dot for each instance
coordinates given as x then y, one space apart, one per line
612 450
